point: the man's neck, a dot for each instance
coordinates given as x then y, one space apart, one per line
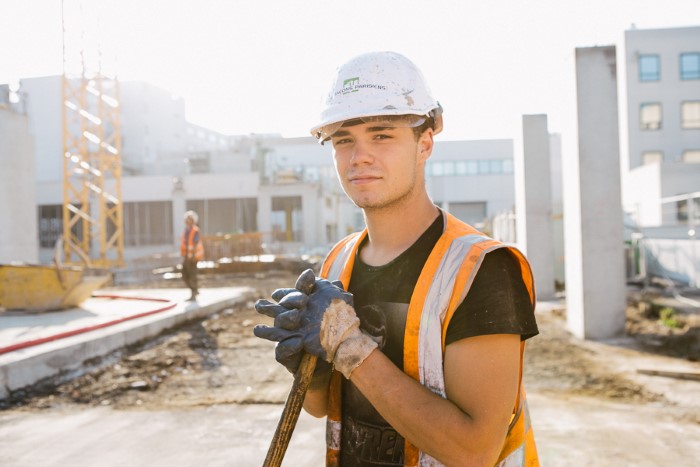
392 231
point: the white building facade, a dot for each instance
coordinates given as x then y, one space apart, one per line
18 241
662 183
663 95
284 188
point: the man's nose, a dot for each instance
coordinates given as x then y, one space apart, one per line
361 153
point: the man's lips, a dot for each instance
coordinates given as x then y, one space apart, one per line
364 178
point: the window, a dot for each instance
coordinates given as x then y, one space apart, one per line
690 115
688 210
228 215
484 167
461 167
469 167
148 223
448 168
650 116
692 156
652 157
649 68
469 212
198 162
286 219
50 224
690 65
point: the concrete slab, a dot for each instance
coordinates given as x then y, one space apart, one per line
570 432
127 321
220 435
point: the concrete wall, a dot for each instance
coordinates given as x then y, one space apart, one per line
675 259
677 179
647 185
595 272
669 90
153 129
534 201
19 241
643 194
45 124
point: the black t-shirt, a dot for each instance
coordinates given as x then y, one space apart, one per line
497 303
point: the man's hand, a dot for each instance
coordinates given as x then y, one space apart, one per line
287 315
328 327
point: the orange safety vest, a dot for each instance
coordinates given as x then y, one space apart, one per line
451 266
188 249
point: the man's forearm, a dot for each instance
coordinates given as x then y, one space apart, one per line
433 424
316 401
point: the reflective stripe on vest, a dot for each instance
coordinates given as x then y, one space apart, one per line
442 285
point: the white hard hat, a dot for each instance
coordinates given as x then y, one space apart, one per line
377 84
193 215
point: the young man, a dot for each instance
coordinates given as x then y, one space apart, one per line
426 344
192 251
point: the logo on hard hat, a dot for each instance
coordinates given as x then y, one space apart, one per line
353 85
349 85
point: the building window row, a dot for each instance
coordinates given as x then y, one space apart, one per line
651 115
469 167
148 223
650 66
691 156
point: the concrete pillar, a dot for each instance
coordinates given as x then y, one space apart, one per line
311 208
595 274
557 208
533 202
265 212
179 208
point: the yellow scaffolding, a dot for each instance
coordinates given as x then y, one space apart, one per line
92 206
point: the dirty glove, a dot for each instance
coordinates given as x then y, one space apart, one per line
290 301
287 315
329 329
286 312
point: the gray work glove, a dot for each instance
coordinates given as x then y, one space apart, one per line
328 329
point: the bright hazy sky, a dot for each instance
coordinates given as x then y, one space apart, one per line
261 66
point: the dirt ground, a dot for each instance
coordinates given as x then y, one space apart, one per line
219 361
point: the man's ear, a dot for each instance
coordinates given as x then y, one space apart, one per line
425 144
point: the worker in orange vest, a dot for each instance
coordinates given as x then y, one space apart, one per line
192 251
419 322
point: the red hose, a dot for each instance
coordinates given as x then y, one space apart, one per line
62 335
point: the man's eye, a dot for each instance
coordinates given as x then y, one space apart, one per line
341 141
382 136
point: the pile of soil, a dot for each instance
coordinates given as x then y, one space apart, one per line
217 360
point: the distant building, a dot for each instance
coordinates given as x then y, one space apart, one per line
663 95
18 241
661 190
285 188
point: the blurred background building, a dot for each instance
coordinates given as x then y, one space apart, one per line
285 189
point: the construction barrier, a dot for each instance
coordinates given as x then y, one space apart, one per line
232 245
